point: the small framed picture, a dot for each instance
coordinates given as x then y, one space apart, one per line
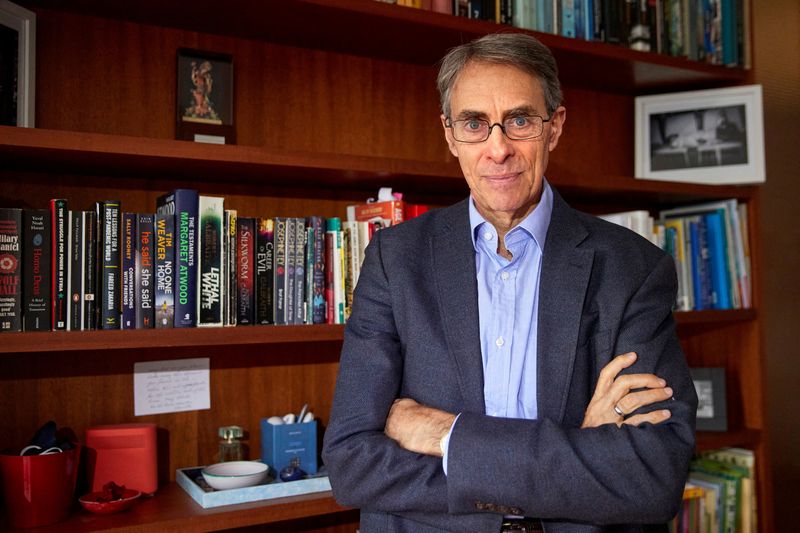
714 137
709 383
205 97
17 65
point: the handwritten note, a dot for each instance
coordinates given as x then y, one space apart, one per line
171 386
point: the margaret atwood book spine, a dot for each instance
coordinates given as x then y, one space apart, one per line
10 269
184 205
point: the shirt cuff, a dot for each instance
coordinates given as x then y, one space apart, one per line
445 444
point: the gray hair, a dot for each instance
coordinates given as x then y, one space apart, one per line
514 49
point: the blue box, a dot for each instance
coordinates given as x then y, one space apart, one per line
282 443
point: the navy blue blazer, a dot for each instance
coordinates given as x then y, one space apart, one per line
414 333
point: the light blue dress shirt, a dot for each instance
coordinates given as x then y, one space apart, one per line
508 308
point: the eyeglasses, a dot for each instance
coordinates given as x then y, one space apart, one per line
477 130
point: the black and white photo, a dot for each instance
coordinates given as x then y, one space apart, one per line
17 65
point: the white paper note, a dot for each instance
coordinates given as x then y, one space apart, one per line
171 386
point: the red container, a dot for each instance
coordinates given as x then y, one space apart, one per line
39 489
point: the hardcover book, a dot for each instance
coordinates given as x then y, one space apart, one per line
59 214
279 314
299 271
108 263
291 256
317 227
145 271
245 245
231 280
75 270
211 266
36 257
265 244
10 269
89 288
129 270
165 270
184 205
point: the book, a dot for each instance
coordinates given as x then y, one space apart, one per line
75 284
291 256
89 288
229 309
59 214
279 314
211 263
245 268
264 260
165 270
299 271
183 204
108 264
145 271
317 228
10 269
128 265
36 265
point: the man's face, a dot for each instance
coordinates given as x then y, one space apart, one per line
505 176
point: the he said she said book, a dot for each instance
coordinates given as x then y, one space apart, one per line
10 269
145 271
36 293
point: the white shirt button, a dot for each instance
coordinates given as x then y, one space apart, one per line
488 235
504 275
499 342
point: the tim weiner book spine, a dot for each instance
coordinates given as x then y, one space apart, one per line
184 205
145 271
212 263
36 253
10 269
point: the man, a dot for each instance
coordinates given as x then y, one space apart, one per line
478 388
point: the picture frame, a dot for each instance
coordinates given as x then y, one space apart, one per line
709 383
712 136
17 65
204 97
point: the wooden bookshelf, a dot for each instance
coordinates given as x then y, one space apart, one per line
362 72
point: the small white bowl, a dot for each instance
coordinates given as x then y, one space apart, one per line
235 474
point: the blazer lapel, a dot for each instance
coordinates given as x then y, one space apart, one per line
562 289
453 257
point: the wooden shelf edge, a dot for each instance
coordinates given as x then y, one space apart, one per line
744 437
71 341
715 316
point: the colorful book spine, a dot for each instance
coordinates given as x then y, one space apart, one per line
330 290
108 263
280 271
10 269
299 271
289 284
36 265
89 288
265 244
184 205
145 270
211 266
59 214
231 281
165 270
245 245
75 309
318 305
718 260
128 270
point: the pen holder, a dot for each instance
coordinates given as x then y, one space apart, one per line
280 444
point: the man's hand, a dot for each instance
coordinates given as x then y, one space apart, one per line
614 390
418 428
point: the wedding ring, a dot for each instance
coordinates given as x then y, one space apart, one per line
618 411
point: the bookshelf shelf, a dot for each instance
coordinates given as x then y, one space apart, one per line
747 438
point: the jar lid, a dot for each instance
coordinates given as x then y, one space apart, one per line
231 432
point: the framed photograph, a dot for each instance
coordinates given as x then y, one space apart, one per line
713 137
204 100
711 409
17 65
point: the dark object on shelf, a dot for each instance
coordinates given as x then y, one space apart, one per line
711 409
293 472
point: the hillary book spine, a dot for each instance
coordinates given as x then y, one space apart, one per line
10 269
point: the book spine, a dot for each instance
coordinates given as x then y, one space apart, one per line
145 280
718 260
211 265
245 237
265 243
318 278
231 280
290 266
11 238
184 205
280 271
128 270
299 270
36 253
108 263
75 311
89 288
330 289
59 214
309 299
165 270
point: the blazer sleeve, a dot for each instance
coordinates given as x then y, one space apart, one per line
367 469
603 475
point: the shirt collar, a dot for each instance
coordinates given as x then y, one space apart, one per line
536 223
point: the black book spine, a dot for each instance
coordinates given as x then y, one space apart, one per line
108 263
128 271
10 269
231 285
245 271
36 250
145 271
165 270
59 213
290 266
318 305
89 275
184 205
265 243
75 271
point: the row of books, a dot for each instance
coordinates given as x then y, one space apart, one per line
710 244
190 263
712 31
720 495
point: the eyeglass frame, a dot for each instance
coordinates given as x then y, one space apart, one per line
449 124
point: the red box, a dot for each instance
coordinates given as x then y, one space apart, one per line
386 213
124 454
